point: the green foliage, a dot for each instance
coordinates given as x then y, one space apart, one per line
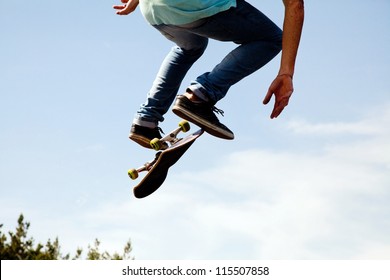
94 254
20 247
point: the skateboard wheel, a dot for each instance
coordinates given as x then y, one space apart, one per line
184 125
155 144
133 174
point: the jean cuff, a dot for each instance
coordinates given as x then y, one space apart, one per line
144 123
198 92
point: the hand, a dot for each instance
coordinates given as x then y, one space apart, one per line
129 7
282 88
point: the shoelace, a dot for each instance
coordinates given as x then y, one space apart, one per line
218 111
160 130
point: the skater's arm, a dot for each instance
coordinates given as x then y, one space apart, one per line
282 86
128 7
292 29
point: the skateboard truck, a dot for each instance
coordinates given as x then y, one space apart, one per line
133 173
156 143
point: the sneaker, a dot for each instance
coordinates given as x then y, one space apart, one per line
202 114
143 135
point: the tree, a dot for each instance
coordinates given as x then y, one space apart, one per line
20 247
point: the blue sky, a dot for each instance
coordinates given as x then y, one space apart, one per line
312 184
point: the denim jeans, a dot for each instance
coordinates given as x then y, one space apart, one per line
259 40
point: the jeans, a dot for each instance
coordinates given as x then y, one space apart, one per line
259 40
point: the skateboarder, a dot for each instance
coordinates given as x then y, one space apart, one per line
189 24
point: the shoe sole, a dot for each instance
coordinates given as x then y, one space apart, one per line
144 142
208 127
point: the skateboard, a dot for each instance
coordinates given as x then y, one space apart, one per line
157 169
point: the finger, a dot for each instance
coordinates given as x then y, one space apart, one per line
118 7
123 11
279 107
276 111
268 96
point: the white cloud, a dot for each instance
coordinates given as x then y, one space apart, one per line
259 204
272 205
375 122
304 127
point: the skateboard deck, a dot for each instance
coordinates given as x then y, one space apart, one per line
159 167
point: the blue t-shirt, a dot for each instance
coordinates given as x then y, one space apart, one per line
179 12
